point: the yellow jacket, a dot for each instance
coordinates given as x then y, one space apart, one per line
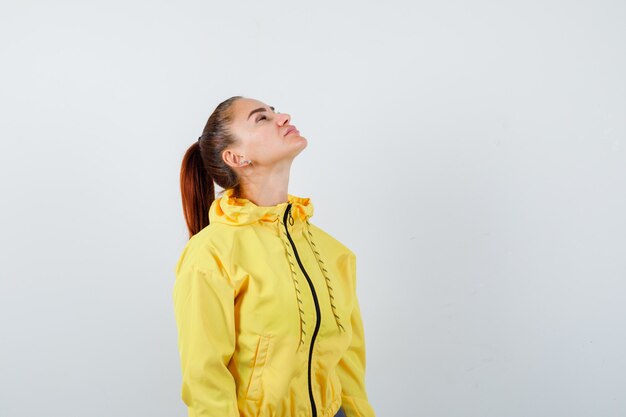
267 315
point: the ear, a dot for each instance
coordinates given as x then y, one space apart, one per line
232 158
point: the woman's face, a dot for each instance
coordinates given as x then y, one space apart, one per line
263 135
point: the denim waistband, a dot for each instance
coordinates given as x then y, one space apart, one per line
340 413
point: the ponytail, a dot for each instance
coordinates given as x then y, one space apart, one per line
197 190
203 166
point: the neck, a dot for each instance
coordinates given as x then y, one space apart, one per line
265 190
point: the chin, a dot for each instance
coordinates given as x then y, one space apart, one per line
301 146
305 142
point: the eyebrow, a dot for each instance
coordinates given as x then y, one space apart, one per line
258 110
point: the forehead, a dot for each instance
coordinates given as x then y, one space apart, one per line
244 106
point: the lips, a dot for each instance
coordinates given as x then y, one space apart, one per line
290 129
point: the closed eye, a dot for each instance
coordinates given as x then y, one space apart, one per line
263 116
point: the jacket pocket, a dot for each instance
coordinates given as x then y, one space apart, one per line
261 358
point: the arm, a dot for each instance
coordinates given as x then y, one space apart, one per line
351 367
204 310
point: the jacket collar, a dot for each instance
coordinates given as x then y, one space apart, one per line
240 211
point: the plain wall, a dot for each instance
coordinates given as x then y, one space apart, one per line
472 155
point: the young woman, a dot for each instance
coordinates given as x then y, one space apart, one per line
265 301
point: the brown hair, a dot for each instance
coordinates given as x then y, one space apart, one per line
203 164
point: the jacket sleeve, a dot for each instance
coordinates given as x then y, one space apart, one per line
351 367
204 310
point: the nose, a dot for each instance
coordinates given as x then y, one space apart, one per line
283 118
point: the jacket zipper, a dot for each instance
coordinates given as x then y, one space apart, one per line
317 306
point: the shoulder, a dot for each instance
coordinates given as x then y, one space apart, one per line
206 252
329 243
341 257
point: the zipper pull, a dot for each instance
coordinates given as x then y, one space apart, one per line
290 216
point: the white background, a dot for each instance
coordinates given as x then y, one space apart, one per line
472 155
